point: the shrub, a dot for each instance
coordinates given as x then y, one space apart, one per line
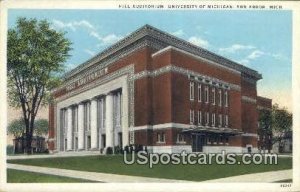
109 151
126 148
117 150
9 149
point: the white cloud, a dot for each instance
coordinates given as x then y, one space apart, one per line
252 56
108 39
179 32
73 25
90 52
111 38
244 61
255 54
236 47
199 41
96 35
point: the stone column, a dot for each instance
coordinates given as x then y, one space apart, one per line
94 132
69 130
80 127
109 120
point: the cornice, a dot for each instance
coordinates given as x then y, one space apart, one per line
249 99
153 37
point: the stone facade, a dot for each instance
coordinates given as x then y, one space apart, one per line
172 96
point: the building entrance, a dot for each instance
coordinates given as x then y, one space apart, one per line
198 141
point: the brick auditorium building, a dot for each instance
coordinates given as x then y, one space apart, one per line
157 90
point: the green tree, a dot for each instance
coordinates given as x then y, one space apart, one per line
16 128
274 125
41 127
282 122
35 58
265 129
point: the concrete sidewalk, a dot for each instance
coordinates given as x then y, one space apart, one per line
93 176
265 177
54 155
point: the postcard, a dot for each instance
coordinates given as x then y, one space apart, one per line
149 95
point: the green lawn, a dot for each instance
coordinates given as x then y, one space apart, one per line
17 176
115 164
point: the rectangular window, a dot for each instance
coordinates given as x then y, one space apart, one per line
199 118
213 123
226 120
161 137
206 95
75 118
180 138
213 96
86 115
199 92
226 98
220 97
192 91
63 121
220 120
192 119
206 118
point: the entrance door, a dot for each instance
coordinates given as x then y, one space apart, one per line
76 143
88 142
198 140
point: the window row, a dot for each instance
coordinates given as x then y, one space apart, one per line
210 95
207 119
161 137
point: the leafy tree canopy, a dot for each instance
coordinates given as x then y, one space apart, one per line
17 127
35 56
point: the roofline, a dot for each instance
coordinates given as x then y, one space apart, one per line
164 38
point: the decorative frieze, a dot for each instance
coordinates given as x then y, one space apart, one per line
172 68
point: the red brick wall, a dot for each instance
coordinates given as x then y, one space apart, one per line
264 102
51 126
162 108
185 61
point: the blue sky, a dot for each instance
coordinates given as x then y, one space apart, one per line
261 40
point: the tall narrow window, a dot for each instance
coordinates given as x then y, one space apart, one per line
161 138
213 96
206 95
75 118
86 116
180 138
117 109
206 118
192 120
220 120
101 113
213 121
226 98
199 92
220 97
226 120
192 96
199 118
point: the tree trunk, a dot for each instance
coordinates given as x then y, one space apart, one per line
28 143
